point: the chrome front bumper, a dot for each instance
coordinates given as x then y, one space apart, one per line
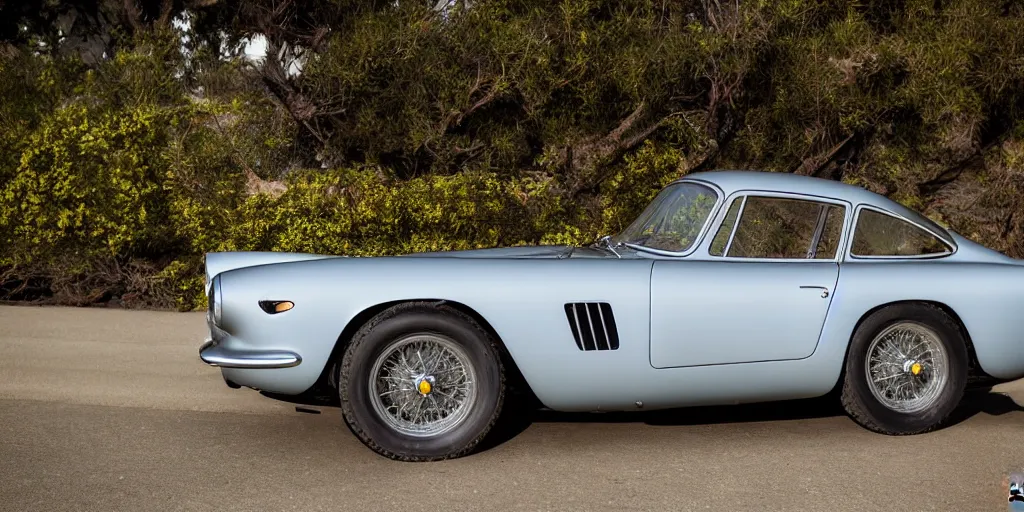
215 354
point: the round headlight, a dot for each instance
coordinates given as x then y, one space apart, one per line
215 299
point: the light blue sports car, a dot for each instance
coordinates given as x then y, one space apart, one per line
732 286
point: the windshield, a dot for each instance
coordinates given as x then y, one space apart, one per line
673 220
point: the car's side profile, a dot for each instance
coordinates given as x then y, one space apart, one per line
731 287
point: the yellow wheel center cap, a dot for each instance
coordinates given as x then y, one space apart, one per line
915 368
424 387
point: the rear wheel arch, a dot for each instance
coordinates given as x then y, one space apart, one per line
974 369
924 395
514 377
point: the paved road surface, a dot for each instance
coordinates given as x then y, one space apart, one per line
112 410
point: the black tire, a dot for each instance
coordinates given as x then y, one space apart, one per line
871 413
403 320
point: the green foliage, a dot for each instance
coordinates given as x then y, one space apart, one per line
87 182
359 212
24 101
183 284
129 147
635 182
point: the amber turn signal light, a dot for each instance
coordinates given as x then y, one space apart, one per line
272 307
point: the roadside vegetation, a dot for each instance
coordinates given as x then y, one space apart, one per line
135 136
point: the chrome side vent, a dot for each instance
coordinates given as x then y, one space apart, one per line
593 325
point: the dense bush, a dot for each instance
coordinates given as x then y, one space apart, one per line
131 145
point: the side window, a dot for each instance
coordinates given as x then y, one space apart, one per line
879 234
783 228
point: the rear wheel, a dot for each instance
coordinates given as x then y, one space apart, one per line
421 382
906 371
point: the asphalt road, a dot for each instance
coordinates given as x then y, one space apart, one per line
112 410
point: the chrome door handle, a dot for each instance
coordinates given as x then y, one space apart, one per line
824 291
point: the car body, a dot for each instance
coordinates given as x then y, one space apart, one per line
732 312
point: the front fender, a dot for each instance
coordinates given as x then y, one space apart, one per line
523 300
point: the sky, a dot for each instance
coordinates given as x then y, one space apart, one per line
256 49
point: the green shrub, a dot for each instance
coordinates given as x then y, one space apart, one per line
87 183
512 122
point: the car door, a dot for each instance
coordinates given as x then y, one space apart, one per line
762 291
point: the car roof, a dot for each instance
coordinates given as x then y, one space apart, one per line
734 180
730 181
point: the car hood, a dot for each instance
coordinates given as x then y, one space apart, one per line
219 262
531 252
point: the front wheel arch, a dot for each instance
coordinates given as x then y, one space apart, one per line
514 377
474 401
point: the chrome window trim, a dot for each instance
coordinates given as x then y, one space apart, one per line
951 248
735 224
699 240
819 231
844 238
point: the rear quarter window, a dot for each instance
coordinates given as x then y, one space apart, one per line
881 234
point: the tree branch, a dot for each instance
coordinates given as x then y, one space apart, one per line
586 154
132 13
275 80
489 97
953 172
166 7
813 165
627 123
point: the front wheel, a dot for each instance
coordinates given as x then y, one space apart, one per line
421 382
906 370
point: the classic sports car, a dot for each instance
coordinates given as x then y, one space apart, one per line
732 286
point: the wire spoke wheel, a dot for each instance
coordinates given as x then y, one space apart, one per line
423 385
907 367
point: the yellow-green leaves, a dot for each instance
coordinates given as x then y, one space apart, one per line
86 180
